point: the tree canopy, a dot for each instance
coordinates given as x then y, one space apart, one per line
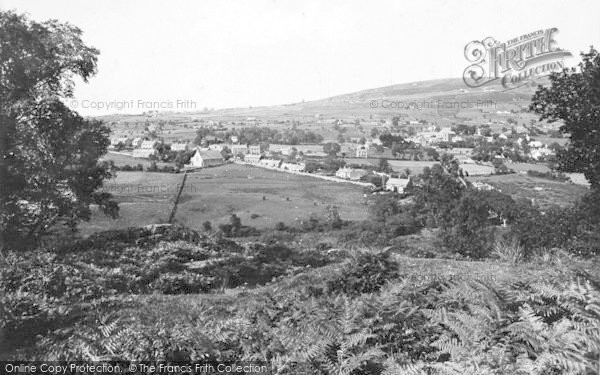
49 166
574 98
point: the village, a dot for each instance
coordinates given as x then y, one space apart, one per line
384 160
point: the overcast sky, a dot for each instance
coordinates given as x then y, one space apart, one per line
248 53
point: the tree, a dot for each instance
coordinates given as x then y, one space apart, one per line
49 165
435 195
293 154
384 166
236 224
384 206
331 148
574 98
433 154
467 231
388 140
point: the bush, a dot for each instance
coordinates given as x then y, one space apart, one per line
268 253
509 251
536 230
475 244
365 273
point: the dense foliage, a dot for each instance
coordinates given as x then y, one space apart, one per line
367 315
49 163
574 98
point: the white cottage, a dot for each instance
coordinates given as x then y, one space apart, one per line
397 184
205 158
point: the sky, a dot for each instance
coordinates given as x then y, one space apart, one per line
222 54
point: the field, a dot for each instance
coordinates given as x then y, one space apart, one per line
121 160
262 197
214 194
543 191
524 167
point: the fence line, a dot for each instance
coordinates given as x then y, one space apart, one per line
174 209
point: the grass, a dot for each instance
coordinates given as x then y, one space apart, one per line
544 192
121 160
215 194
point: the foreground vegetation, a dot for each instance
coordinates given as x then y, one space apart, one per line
167 293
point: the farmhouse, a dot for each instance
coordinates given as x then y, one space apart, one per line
203 159
271 163
362 152
284 149
239 149
292 167
350 173
397 184
445 134
251 158
148 144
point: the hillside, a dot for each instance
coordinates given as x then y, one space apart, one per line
358 103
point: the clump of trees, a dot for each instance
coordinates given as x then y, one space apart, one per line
573 97
49 154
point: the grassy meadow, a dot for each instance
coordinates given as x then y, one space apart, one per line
260 197
545 192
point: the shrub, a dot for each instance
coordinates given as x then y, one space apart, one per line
365 273
268 253
509 251
474 244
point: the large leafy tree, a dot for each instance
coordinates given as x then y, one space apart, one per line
49 169
574 98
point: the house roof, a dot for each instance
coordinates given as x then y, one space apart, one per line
209 154
398 182
473 169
